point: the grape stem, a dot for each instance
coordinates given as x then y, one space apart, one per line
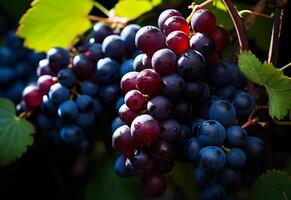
286 66
250 122
23 115
102 8
197 7
243 12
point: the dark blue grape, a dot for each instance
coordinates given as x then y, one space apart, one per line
170 130
113 47
109 94
43 68
227 92
119 103
68 110
173 86
235 158
236 136
97 107
85 119
137 63
71 134
14 91
210 133
58 93
254 148
82 66
220 74
159 107
203 44
58 59
126 66
116 123
107 70
128 36
44 122
48 106
214 192
229 178
207 105
164 61
182 110
243 103
120 168
100 32
237 77
94 53
212 158
67 77
223 112
204 177
6 76
5 55
89 88
192 149
195 125
84 103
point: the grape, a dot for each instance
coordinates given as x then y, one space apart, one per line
137 63
58 93
126 66
146 61
185 134
97 107
229 177
67 77
68 111
191 65
204 177
235 158
58 58
163 151
220 74
116 123
206 106
212 158
159 107
173 86
100 32
109 94
148 82
243 103
135 100
192 149
119 167
107 70
5 54
71 134
122 140
203 21
84 103
89 88
85 119
182 110
254 147
149 39
210 133
236 136
164 62
170 130
43 68
195 125
220 37
44 121
128 81
82 66
113 47
44 83
214 191
94 53
126 114
164 167
154 185
145 130
203 44
175 23
223 112
119 103
166 15
178 42
128 36
6 76
194 91
48 106
141 163
226 92
237 78
32 96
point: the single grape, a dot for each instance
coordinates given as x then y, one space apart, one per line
67 77
44 121
220 74
194 91
166 14
128 81
146 61
109 94
203 21
211 133
114 47
89 88
82 66
85 119
135 100
122 140
236 136
126 66
32 96
192 149
243 103
214 191
119 167
58 58
159 107
119 103
68 110
126 114
212 158
164 167
48 106
94 52
173 86
128 36
149 39
237 77
44 83
195 125
223 112
148 82
229 178
220 37
100 32
7 76
164 61
191 65
107 70
203 44
71 134
43 68
163 151
204 177
137 63
207 105
141 163
182 110
254 147
170 130
235 158
175 23
116 123
178 42
185 135
84 103
226 92
145 129
154 185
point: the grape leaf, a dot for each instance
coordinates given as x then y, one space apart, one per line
104 177
50 23
278 86
131 9
271 186
15 133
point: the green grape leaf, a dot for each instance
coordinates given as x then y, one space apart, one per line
15 133
274 185
131 9
50 23
104 177
278 86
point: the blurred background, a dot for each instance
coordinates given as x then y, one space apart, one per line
52 172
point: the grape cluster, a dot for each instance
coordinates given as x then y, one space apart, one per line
182 95
16 65
75 86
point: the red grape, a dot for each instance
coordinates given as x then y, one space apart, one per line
164 61
178 42
203 21
202 43
126 115
32 96
176 23
127 82
135 100
148 82
167 14
44 83
220 37
122 140
154 185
